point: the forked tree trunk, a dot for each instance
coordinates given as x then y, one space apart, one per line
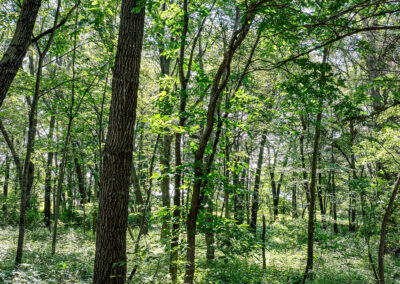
110 257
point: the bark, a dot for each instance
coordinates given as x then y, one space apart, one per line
60 183
382 241
264 264
335 225
6 182
219 83
15 53
303 159
294 202
314 163
352 187
110 257
61 170
227 178
255 203
321 201
28 172
165 156
48 171
209 235
81 179
311 208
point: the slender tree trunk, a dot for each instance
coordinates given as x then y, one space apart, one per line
311 208
314 164
264 263
382 241
28 174
6 182
294 202
209 235
227 181
60 183
219 83
165 156
47 181
334 204
255 205
321 202
110 258
81 180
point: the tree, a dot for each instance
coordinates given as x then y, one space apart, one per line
110 260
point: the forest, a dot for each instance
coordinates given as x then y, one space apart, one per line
199 141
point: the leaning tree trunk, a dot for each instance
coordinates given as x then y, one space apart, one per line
110 258
15 53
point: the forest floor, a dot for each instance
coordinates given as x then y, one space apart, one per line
339 258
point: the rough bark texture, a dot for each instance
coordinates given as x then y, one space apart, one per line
382 242
254 207
110 258
15 53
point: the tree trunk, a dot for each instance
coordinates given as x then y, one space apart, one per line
110 258
311 208
321 201
6 182
254 207
227 181
165 156
81 179
47 181
314 163
382 241
209 235
294 202
15 53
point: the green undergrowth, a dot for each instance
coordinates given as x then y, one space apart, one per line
338 259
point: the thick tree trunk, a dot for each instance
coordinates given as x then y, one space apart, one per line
382 241
254 207
110 258
15 53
